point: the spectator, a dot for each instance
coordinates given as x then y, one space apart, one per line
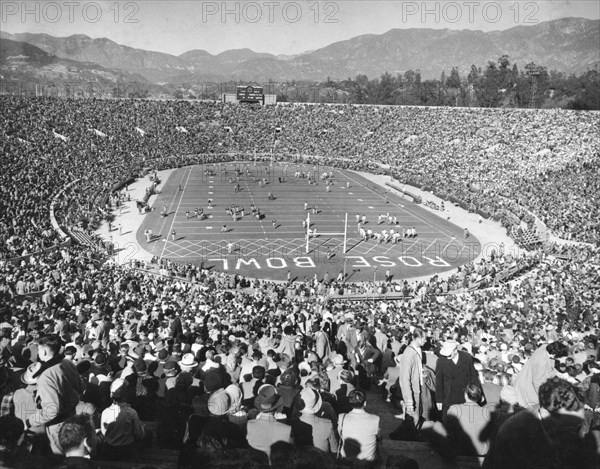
455 371
547 437
77 438
120 424
58 388
264 430
313 431
359 430
411 375
468 425
536 371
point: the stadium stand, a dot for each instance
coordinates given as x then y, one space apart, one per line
205 358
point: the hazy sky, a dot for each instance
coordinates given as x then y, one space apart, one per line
274 26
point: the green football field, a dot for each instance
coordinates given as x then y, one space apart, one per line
289 197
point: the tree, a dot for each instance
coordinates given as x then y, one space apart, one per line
454 79
473 74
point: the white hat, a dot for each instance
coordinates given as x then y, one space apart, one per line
188 360
312 401
448 347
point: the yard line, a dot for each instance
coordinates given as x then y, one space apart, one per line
252 201
446 247
176 211
404 250
405 208
434 241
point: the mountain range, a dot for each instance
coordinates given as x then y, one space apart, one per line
568 45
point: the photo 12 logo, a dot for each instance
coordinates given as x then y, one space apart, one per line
270 12
53 12
471 12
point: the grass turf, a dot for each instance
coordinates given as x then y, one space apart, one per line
274 246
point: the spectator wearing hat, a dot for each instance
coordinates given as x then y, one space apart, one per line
333 372
212 382
536 371
24 398
310 430
265 429
188 363
170 371
289 389
455 371
120 424
213 434
78 440
358 430
58 388
236 414
100 365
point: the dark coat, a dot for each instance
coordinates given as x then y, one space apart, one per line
452 379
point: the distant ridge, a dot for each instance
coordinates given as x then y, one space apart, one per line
567 45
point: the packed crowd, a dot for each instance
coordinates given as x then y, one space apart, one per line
222 362
264 369
495 160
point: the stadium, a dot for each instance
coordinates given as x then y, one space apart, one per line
224 283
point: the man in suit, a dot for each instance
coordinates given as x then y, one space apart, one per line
455 371
265 429
359 430
58 389
411 374
311 430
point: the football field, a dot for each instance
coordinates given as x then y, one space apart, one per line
252 219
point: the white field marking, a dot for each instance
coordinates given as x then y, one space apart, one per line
176 212
252 202
434 241
404 250
439 230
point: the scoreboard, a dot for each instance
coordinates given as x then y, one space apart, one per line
250 94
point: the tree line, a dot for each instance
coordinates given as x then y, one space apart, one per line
499 84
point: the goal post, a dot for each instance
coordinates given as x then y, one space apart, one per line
309 233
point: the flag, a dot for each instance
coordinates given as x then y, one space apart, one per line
57 135
98 133
22 140
180 128
141 131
